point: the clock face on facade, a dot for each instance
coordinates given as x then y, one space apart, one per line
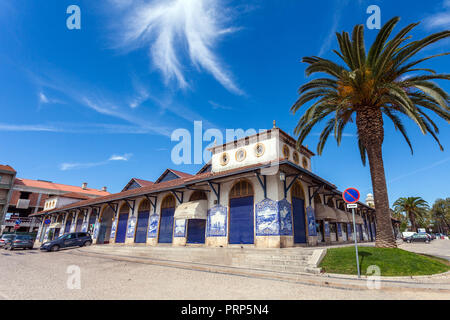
259 149
224 159
240 155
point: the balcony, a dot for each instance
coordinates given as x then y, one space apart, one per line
23 203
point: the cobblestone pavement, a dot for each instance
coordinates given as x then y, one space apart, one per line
41 275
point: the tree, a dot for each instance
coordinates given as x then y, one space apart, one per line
440 213
381 84
414 207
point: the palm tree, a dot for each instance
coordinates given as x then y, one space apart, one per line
373 85
440 213
414 207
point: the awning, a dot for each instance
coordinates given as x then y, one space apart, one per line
358 219
324 212
192 210
55 225
341 216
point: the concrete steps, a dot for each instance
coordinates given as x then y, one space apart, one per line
289 260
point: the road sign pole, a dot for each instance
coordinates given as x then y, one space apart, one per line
356 242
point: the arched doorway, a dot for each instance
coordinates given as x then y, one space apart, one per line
241 213
122 223
68 223
142 223
166 223
104 232
298 213
196 228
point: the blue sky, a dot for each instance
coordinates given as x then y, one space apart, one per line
99 104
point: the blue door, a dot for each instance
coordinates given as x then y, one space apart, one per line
68 223
166 226
298 214
141 228
241 221
79 225
101 234
122 228
196 231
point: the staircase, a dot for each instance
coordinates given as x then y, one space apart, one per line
286 260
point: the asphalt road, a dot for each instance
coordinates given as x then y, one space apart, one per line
41 275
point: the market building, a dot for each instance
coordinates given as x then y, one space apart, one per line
29 196
256 191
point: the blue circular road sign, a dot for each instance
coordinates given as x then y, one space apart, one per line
351 195
18 221
47 221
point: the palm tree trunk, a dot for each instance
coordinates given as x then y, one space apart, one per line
412 218
371 133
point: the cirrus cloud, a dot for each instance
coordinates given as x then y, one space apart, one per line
171 26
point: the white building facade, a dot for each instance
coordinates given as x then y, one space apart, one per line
257 191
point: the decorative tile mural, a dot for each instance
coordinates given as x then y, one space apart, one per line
339 230
311 219
216 225
327 228
73 225
84 226
113 229
131 226
96 229
285 213
349 230
267 218
153 226
180 228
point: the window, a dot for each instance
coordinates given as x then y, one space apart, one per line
286 151
259 149
224 159
240 155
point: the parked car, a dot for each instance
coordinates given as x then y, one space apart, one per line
407 234
4 238
19 241
418 237
75 239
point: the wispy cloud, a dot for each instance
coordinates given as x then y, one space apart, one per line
217 106
124 157
440 19
426 168
27 127
71 166
170 27
326 44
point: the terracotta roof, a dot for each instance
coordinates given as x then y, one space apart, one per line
76 195
143 183
181 174
7 168
180 183
56 186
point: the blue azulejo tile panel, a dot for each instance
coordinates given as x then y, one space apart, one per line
131 227
180 228
96 229
285 212
216 225
311 218
113 229
84 226
153 226
267 218
327 228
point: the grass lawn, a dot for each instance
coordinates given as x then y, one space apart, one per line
392 262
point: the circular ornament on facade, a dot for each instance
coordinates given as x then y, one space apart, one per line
286 151
240 155
259 149
296 157
224 159
305 163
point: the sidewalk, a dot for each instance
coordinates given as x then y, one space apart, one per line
145 255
